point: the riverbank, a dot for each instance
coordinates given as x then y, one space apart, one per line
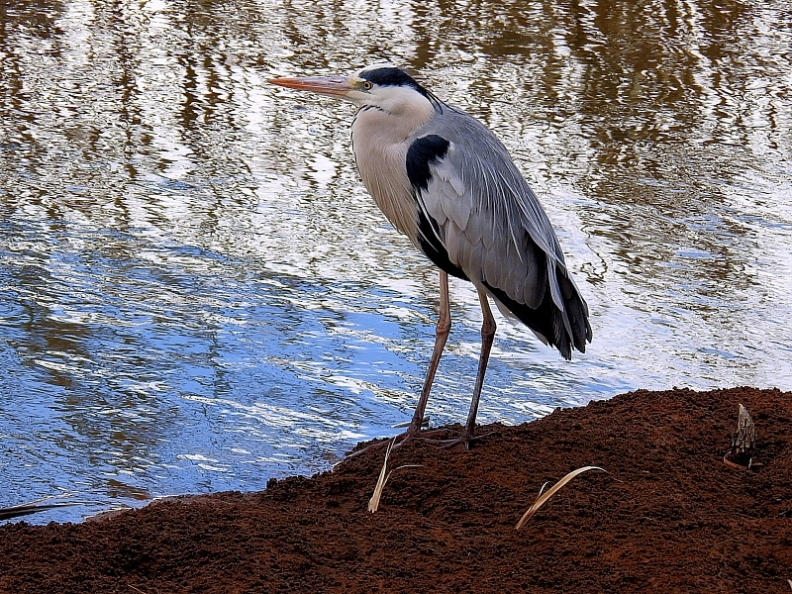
668 515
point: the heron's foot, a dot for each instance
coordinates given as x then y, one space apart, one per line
464 439
424 423
375 446
401 439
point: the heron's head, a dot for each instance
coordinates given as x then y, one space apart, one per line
382 86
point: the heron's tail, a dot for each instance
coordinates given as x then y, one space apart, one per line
561 320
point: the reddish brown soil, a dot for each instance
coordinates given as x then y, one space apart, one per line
669 516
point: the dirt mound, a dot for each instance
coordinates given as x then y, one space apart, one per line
668 516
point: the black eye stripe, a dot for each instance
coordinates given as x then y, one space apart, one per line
389 76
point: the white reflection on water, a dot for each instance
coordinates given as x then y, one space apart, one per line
199 295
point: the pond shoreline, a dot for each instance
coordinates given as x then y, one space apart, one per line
668 515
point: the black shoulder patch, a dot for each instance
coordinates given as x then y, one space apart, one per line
420 155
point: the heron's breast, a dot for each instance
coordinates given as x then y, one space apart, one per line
381 161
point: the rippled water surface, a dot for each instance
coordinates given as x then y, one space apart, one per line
198 294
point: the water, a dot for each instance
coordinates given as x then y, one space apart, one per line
199 295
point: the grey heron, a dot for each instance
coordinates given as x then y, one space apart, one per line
444 180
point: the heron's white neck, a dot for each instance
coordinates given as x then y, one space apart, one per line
380 140
394 116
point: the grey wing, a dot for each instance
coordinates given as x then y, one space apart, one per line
493 229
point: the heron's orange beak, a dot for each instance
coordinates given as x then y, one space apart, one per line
337 86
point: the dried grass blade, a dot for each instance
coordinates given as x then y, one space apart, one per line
551 491
383 479
373 504
399 468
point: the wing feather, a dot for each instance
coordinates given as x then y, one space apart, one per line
494 229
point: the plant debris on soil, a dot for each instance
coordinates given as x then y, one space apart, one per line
669 515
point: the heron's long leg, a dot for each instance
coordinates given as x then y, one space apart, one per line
488 328
443 329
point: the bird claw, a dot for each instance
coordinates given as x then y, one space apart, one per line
466 440
405 437
400 441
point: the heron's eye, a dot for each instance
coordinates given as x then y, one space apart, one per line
366 85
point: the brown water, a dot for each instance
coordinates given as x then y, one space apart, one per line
199 294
